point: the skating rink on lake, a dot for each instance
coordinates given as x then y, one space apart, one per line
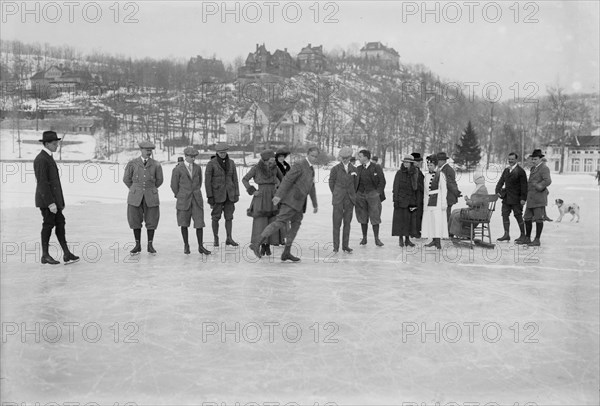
380 326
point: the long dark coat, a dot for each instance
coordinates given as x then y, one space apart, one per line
404 222
48 189
537 187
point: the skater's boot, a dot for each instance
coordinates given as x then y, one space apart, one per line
69 258
228 228
438 243
215 228
376 235
151 249
287 255
527 238
186 245
408 242
267 249
431 244
137 234
137 249
400 242
364 228
200 238
506 236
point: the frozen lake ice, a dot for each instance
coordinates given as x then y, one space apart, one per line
380 326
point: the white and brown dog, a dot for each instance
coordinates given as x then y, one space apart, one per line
572 209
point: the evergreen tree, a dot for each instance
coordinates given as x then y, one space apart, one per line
468 152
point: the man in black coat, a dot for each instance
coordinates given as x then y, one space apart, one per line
420 192
49 198
514 195
453 192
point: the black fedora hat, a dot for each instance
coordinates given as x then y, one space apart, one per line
441 156
49 136
537 153
417 156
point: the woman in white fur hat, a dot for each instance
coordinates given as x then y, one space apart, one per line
477 209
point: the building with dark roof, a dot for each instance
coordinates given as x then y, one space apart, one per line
381 55
261 64
582 153
312 59
206 69
262 122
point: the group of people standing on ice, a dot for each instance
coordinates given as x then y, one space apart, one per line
422 201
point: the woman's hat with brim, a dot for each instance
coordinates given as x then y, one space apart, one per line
408 158
417 157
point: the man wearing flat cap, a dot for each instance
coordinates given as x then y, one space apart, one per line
186 184
453 192
143 176
222 191
537 199
49 198
343 180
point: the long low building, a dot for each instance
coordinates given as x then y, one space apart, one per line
582 154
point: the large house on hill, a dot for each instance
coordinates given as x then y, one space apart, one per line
261 64
60 78
312 59
381 55
206 69
261 123
582 153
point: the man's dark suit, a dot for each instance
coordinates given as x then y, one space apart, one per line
515 182
297 184
343 188
453 192
47 192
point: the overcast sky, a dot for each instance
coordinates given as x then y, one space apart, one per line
504 42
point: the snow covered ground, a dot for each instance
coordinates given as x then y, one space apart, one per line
379 326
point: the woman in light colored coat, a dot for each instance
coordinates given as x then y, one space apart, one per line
435 220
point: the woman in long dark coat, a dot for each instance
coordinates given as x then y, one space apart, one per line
404 223
267 176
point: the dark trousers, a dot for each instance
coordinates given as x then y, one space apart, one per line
286 214
136 215
516 209
227 207
342 212
49 221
